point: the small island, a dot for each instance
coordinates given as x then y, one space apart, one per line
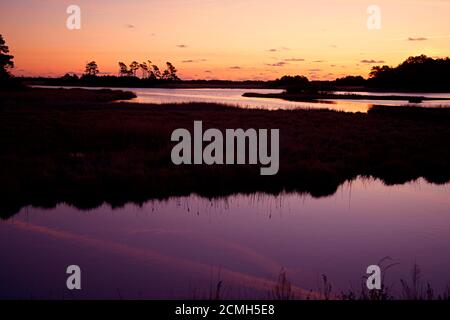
323 96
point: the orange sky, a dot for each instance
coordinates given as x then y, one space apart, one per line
230 39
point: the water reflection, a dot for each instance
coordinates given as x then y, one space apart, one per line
181 247
234 97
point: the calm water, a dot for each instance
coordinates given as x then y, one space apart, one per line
182 247
234 97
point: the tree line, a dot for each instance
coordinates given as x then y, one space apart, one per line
7 81
147 70
419 72
6 60
416 73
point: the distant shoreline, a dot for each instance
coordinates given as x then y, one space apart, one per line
319 97
218 84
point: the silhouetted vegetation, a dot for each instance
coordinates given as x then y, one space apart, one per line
91 69
315 95
351 81
410 289
419 73
415 73
64 145
292 82
413 287
137 74
7 81
6 60
149 71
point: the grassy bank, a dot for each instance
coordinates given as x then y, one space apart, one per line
69 145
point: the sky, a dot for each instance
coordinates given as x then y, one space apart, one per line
230 39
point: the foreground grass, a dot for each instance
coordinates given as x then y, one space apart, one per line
70 145
412 287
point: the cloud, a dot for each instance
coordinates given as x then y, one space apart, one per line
279 49
319 61
182 46
208 71
371 61
235 68
277 64
293 59
193 60
417 39
314 70
130 26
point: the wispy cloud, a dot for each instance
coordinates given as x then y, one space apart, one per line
182 46
294 59
279 49
130 26
277 64
193 60
417 39
235 68
372 61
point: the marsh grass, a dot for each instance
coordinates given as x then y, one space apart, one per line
75 146
411 289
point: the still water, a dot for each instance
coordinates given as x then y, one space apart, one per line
234 97
183 247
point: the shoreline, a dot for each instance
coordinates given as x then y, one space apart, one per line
223 84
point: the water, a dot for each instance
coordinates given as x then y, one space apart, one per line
234 97
182 247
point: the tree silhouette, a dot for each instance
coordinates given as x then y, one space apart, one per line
123 70
149 71
134 67
6 61
91 69
151 74
156 72
171 72
144 69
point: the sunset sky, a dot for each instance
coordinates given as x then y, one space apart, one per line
230 39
